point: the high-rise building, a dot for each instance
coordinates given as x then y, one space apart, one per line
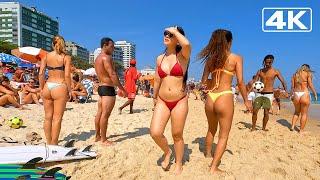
26 26
75 49
91 58
128 50
116 56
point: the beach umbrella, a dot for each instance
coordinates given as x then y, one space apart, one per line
7 58
30 54
90 72
26 64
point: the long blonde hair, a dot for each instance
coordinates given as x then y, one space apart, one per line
303 68
59 45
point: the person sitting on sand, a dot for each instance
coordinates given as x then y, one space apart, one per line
170 96
264 99
31 93
78 92
7 97
108 79
57 88
18 75
301 83
222 64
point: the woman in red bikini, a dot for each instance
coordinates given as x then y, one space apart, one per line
170 95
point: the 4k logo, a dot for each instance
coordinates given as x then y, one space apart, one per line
287 19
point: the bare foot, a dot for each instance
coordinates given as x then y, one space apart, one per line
165 164
215 170
108 143
178 169
98 138
265 129
119 110
253 129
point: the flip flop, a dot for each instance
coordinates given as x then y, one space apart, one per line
169 165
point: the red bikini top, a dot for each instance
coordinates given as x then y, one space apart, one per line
175 71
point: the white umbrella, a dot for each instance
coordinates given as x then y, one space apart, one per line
90 72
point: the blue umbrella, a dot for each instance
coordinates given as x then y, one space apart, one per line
6 58
25 65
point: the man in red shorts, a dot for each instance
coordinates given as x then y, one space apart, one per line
131 76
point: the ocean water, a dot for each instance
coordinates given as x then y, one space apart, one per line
313 100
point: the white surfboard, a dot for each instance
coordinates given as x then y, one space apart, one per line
49 153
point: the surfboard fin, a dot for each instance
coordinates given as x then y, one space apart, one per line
71 152
87 149
31 164
51 172
69 143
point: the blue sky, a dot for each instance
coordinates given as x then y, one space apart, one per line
143 21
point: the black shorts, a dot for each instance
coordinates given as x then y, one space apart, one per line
106 91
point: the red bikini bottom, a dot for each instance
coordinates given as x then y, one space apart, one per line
171 104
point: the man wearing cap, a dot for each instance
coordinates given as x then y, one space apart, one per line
131 76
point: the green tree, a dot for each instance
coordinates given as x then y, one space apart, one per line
80 64
6 47
118 66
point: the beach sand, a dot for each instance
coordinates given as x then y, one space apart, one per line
277 154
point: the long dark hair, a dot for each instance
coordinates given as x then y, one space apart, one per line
216 50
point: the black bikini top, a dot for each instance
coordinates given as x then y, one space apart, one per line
61 68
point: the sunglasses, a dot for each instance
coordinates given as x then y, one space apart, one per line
167 33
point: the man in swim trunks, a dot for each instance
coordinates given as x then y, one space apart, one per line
131 76
264 99
108 79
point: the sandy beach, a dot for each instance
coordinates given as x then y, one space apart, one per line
277 154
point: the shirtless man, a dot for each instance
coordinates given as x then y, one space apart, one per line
108 79
267 75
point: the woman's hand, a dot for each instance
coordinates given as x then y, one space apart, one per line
172 30
154 101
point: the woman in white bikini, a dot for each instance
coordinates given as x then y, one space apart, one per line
301 82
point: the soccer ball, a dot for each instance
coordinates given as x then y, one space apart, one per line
258 86
15 122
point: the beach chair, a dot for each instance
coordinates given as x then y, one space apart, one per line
88 84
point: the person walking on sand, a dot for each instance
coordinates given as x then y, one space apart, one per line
131 76
170 96
55 91
301 82
108 79
264 99
219 105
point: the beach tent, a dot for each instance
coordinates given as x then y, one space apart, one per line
90 72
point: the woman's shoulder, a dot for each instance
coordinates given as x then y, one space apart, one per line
236 57
159 58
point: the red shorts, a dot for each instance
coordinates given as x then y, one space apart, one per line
131 95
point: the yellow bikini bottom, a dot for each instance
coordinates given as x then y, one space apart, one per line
214 95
